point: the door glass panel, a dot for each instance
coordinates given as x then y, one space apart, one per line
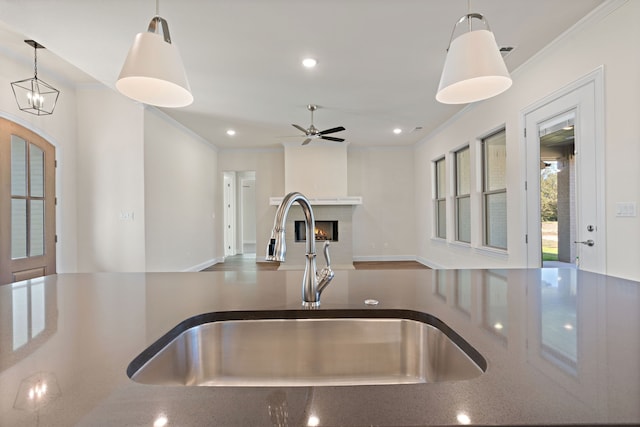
36 171
37 228
18 166
18 228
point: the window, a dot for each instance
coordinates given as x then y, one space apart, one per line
494 191
463 198
440 205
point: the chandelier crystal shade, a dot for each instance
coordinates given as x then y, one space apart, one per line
33 95
153 72
474 69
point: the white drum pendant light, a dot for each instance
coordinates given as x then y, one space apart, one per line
474 69
153 72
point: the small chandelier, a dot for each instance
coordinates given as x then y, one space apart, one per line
34 95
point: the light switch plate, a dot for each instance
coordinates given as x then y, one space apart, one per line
626 209
126 216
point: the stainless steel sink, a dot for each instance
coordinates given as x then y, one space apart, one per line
308 348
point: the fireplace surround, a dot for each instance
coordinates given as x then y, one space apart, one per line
341 249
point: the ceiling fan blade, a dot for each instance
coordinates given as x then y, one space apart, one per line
332 130
331 138
306 141
300 128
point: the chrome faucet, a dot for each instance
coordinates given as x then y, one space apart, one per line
313 283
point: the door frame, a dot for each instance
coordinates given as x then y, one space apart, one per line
594 126
229 209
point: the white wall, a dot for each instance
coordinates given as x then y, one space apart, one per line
611 39
384 225
179 196
110 182
60 130
316 170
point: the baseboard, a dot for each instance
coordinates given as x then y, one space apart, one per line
377 258
336 267
204 265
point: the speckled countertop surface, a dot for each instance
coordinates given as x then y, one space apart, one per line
562 346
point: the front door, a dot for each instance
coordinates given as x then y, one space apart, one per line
27 204
583 100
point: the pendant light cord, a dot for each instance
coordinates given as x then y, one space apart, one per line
157 7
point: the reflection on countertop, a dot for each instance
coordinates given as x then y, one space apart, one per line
562 346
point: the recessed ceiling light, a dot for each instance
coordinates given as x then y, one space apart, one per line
309 62
231 132
397 131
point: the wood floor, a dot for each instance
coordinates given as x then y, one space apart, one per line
248 263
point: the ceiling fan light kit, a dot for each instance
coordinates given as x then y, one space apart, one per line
474 68
153 72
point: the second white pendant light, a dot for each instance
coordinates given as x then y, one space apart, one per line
474 69
153 72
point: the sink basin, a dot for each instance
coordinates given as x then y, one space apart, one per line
308 348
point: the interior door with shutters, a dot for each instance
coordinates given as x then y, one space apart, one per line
27 204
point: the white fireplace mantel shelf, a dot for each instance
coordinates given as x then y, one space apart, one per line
326 201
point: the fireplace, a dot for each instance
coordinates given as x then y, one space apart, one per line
325 230
341 251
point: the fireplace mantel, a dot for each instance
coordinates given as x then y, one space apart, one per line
324 201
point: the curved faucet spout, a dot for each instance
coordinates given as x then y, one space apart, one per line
312 282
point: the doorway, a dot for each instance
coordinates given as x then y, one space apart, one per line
240 213
579 108
27 204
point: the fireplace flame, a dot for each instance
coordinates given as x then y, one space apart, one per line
320 234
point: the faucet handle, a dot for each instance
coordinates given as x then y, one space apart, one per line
326 253
326 274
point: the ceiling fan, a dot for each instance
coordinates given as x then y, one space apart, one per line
313 133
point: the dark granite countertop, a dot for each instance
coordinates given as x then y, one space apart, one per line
562 347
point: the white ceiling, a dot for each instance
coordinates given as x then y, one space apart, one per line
379 61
